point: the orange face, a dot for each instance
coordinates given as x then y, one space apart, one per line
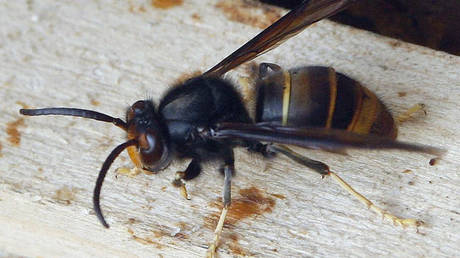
151 152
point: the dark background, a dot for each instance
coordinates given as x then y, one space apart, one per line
435 24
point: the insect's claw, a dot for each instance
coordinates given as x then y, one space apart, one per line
179 182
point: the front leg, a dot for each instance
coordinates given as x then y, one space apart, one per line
138 166
193 170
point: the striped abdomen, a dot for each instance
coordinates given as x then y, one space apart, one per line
317 96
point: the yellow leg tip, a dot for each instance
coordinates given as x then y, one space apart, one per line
131 172
410 112
179 182
217 233
184 193
407 222
211 253
396 221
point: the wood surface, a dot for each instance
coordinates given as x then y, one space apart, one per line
105 55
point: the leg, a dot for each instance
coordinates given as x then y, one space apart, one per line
265 149
408 114
229 169
396 221
138 167
193 170
263 69
323 169
316 166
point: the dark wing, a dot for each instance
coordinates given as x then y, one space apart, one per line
314 138
287 26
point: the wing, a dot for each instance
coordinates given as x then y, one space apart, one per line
314 138
287 26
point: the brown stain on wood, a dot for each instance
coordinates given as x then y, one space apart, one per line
22 104
95 102
196 17
135 9
14 136
402 94
145 241
249 12
181 236
183 227
166 4
132 221
1 147
235 247
251 202
66 195
159 233
279 196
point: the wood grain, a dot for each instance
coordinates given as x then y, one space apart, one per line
105 55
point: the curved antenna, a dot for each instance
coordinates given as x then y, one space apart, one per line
100 178
75 112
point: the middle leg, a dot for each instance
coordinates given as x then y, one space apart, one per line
229 170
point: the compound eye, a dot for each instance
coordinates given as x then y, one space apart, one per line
152 150
136 109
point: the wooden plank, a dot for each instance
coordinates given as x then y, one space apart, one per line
104 55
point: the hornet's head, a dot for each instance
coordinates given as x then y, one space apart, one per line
145 126
147 143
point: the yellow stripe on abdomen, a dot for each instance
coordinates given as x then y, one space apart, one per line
286 97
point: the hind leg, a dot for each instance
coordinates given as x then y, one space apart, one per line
410 112
323 170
